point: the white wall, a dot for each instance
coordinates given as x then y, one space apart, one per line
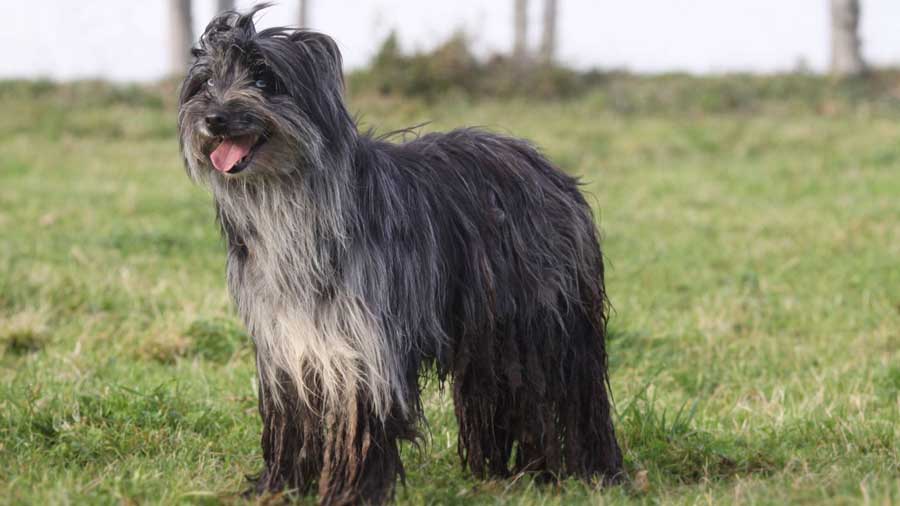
125 39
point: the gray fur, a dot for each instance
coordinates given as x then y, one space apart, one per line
356 263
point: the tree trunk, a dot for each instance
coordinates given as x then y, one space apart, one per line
520 30
548 38
225 5
181 35
303 13
846 46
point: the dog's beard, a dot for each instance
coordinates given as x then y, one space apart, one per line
216 159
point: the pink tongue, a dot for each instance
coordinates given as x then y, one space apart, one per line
230 153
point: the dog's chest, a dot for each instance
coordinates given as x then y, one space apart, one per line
281 269
272 281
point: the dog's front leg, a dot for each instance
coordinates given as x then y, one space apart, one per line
292 441
362 457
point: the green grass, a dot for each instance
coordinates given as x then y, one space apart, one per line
754 267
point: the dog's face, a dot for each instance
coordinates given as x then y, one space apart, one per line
258 103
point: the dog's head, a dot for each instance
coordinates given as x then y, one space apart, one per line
260 103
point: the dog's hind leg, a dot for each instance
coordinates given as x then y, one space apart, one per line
482 403
589 441
521 429
362 456
533 398
565 411
292 442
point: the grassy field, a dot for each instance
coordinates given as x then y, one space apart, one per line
754 266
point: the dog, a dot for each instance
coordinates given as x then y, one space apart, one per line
360 266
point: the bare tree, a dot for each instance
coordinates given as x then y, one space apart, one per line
846 46
303 13
224 5
548 37
181 35
520 30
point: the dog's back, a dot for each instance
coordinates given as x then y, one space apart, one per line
479 215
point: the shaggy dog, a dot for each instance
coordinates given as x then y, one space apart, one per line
358 265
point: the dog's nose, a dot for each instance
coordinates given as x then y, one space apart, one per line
216 123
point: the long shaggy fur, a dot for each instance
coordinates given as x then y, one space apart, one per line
357 263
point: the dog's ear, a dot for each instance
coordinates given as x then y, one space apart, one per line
324 51
320 42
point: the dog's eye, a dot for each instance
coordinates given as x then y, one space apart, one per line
210 83
261 83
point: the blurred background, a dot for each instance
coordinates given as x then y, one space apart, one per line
132 41
742 158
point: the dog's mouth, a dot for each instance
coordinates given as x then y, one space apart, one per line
234 154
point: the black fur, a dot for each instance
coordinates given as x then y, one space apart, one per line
466 252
